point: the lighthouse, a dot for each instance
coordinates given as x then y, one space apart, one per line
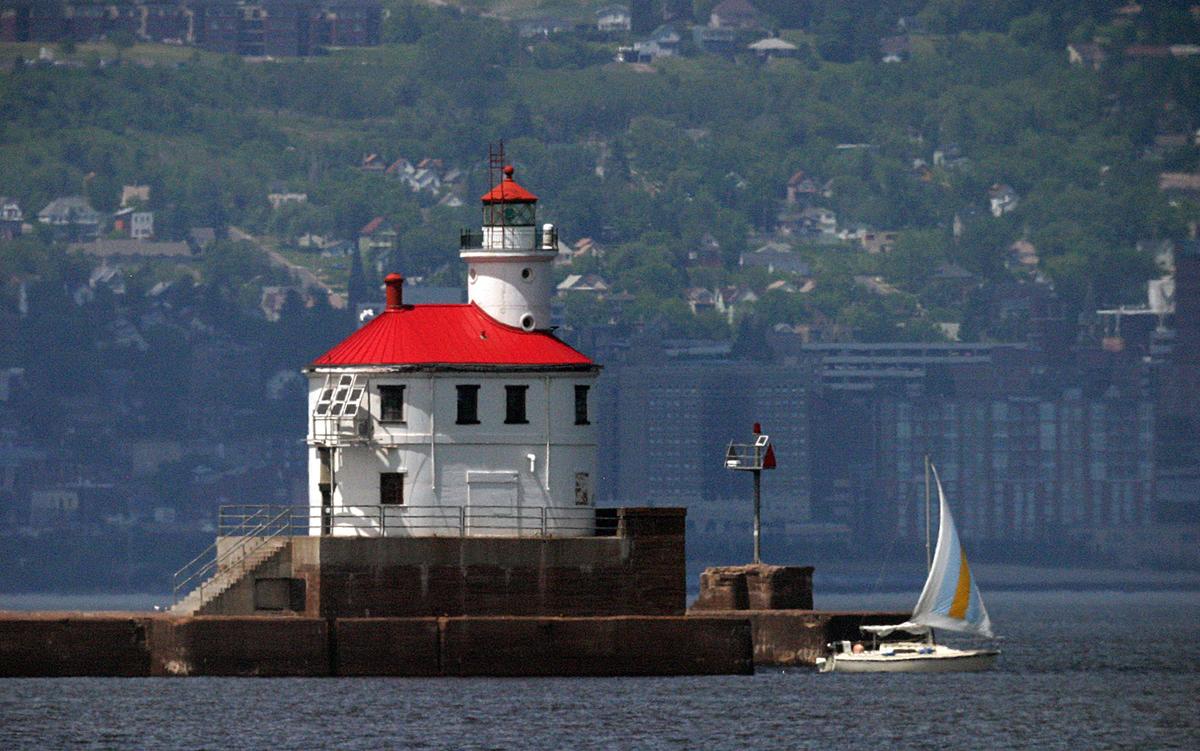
468 420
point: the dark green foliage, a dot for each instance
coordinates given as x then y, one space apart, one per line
648 163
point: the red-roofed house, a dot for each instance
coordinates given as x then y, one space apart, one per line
377 235
435 419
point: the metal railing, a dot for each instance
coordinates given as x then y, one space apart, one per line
394 520
472 239
258 529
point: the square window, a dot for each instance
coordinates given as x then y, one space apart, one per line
391 403
468 404
391 488
514 405
581 405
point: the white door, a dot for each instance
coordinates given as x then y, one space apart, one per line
494 505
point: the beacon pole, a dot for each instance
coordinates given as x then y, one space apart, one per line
757 517
754 458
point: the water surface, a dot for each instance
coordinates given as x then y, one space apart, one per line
1079 671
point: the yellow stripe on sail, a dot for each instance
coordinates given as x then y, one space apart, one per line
962 591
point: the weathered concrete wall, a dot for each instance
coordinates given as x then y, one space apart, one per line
70 644
387 646
61 645
627 645
243 645
796 638
755 586
640 571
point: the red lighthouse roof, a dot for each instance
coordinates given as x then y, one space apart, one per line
430 335
508 191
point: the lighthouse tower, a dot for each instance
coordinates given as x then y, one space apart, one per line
508 272
470 420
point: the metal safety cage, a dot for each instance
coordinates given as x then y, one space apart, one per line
747 456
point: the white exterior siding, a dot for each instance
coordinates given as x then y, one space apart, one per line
463 467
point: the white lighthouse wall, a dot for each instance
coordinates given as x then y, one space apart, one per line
480 476
508 288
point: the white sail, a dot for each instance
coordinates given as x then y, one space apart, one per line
950 599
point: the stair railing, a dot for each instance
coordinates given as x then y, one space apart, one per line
262 534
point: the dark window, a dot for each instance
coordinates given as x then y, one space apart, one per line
391 488
468 405
391 403
514 405
581 411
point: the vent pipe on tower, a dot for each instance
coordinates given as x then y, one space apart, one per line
395 291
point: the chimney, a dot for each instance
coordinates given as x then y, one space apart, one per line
395 291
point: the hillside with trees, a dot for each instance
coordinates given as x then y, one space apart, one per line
648 160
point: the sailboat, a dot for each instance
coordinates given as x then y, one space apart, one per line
950 600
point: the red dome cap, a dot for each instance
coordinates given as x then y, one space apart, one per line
508 191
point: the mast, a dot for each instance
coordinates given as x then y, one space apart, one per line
928 554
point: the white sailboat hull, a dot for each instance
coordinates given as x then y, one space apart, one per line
940 659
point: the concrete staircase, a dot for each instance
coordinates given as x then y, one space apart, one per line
230 574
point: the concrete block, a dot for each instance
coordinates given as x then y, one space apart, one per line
386 646
612 646
73 645
246 646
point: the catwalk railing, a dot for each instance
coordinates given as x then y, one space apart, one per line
395 520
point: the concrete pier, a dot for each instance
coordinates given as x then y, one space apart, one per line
78 644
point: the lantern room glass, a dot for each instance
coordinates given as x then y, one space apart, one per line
508 215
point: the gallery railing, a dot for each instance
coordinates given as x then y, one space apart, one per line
394 520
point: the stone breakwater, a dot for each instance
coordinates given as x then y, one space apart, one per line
719 642
80 644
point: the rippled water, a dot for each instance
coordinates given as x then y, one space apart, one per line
1079 671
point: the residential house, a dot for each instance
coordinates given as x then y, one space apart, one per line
280 195
895 49
135 195
450 201
734 14
1181 181
663 42
400 168
775 258
818 220
137 225
802 188
1002 199
542 27
424 180
700 300
373 163
110 276
592 284
613 18
72 217
773 47
707 253
729 299
11 218
377 235
874 241
716 41
1086 54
